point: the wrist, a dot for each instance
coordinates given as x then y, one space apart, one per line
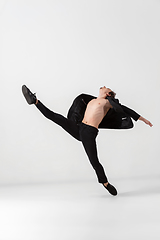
140 118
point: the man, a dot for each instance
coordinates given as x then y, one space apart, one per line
86 131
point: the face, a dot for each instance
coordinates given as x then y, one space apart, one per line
104 90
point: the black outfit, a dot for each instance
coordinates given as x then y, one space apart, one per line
112 120
85 133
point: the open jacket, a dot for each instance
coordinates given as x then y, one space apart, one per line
112 120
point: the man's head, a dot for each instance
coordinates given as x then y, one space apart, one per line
104 92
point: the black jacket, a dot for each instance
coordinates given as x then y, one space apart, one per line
112 120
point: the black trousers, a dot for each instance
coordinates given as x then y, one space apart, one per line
82 132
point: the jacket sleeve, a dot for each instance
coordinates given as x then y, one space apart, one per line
130 112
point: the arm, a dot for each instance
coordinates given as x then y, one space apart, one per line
130 112
135 115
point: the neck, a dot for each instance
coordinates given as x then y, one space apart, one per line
101 96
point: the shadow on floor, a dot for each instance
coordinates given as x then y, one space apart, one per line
141 192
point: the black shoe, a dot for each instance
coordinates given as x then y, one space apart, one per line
111 189
29 96
115 104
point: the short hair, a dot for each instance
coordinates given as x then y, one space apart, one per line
113 94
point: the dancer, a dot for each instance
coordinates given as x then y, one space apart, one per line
86 130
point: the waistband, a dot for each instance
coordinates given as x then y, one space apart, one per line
89 126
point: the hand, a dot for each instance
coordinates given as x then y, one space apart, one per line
146 121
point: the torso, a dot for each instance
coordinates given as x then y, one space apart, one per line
95 112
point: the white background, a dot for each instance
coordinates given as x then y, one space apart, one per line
60 49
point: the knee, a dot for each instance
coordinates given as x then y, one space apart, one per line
96 165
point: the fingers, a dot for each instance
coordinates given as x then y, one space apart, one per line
150 124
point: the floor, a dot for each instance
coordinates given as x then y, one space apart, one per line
81 210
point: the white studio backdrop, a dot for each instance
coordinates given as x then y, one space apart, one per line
60 49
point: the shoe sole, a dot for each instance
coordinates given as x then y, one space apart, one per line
26 95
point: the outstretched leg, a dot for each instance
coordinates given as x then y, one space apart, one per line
70 126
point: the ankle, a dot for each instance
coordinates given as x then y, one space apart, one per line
36 102
105 184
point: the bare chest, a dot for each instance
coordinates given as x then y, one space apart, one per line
97 105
